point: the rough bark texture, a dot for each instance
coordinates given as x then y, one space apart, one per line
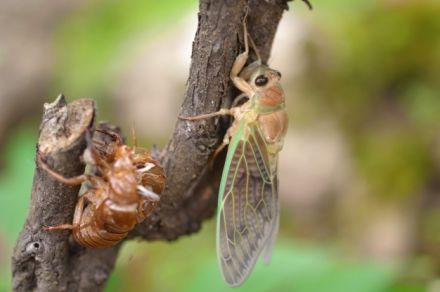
49 261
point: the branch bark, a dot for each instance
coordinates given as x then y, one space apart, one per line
48 261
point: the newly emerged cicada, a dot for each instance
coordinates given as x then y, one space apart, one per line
248 207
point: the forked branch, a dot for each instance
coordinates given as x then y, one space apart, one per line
49 261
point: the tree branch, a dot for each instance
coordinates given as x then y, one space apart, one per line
48 261
190 195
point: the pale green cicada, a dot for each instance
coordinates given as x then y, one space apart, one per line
248 207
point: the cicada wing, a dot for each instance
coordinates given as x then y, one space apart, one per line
248 205
266 254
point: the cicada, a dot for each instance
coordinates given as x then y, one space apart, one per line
248 206
124 190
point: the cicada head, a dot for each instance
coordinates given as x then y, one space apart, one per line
260 76
265 82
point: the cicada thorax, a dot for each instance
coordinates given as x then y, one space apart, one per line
143 172
147 171
268 102
111 160
123 183
272 98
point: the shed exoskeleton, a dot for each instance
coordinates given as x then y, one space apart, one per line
122 193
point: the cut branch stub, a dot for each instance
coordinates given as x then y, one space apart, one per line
61 143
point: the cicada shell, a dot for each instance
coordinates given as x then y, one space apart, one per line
123 190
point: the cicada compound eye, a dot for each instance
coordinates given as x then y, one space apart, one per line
261 80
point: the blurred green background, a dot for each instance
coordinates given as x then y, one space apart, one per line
360 171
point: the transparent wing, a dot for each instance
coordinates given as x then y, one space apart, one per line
247 218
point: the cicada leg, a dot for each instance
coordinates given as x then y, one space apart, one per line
239 99
240 62
221 112
218 151
241 59
220 148
79 209
225 142
59 227
76 180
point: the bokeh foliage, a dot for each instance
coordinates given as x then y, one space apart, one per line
91 40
